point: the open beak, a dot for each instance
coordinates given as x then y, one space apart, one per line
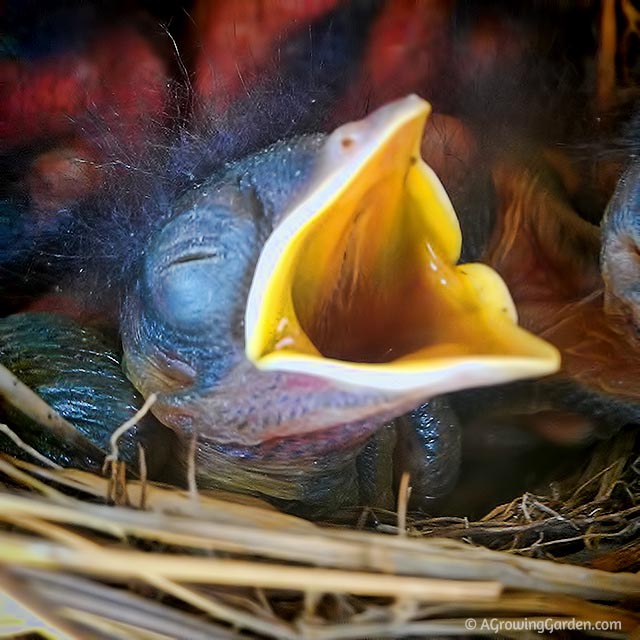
358 283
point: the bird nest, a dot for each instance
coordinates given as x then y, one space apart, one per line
85 555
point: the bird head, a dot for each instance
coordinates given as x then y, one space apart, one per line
315 285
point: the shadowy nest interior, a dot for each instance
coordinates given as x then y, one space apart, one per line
112 554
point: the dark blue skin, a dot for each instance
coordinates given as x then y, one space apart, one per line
197 270
78 373
183 337
189 304
168 310
621 247
171 333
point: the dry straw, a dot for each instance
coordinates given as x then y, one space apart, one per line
81 558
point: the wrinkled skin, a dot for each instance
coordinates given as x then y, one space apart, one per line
182 337
55 197
78 373
182 333
547 254
579 384
560 273
167 315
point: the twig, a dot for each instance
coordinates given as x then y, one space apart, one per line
78 594
27 448
404 493
142 465
29 481
279 538
125 426
33 406
117 471
76 542
14 590
192 483
523 507
116 563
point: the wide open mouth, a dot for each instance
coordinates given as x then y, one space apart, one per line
358 283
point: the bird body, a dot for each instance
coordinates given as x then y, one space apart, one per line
267 279
217 325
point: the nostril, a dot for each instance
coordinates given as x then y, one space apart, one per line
347 142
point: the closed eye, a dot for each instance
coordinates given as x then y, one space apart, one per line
196 257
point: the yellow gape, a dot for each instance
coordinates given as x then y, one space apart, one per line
359 283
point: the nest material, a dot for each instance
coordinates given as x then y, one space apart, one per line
82 555
89 556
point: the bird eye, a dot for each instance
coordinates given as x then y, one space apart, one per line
196 267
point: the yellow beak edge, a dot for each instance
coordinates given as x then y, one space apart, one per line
358 284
